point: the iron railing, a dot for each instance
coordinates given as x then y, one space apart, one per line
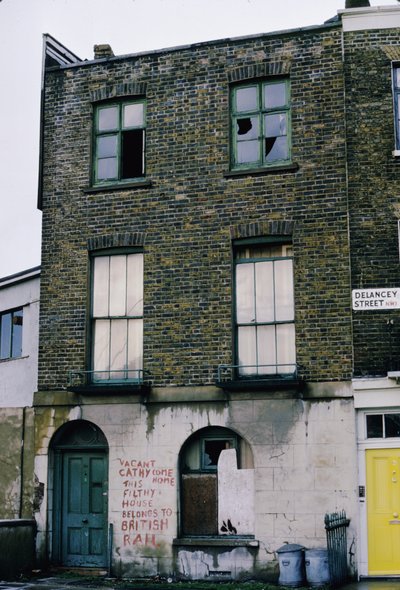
336 525
77 378
281 371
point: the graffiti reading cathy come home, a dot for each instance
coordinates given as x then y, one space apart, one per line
143 515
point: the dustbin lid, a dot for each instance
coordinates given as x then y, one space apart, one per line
316 552
289 548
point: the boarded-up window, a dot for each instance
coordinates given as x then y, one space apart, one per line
199 504
199 478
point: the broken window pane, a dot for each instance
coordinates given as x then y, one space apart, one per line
212 450
275 125
132 153
248 128
246 99
275 95
264 110
276 149
119 155
108 118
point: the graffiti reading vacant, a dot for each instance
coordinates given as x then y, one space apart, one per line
143 512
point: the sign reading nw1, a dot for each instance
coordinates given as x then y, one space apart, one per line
374 299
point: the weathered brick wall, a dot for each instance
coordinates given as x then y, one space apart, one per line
374 176
187 215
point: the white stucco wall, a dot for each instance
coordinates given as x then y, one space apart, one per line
18 376
304 466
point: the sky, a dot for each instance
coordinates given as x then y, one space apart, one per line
129 26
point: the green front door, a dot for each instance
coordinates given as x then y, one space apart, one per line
84 509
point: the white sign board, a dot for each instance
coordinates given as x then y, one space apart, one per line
374 299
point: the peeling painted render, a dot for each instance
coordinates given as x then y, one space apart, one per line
204 390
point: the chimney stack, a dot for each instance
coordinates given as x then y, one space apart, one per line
103 51
357 3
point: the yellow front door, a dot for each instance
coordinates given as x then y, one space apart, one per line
383 509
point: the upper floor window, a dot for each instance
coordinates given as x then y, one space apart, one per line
396 97
119 140
260 114
117 317
265 330
11 334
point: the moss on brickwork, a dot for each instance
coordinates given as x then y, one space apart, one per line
188 213
374 177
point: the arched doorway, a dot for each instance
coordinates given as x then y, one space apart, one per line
79 500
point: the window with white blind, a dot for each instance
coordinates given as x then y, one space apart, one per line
117 317
264 310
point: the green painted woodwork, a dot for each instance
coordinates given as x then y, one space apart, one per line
82 524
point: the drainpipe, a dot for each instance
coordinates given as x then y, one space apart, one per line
21 485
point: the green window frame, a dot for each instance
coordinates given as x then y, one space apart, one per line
117 317
11 334
119 141
264 310
260 124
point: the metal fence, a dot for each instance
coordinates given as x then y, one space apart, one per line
336 537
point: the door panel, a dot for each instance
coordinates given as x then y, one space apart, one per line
383 511
84 509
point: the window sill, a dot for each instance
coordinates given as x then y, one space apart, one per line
281 168
14 358
275 383
217 541
111 389
117 186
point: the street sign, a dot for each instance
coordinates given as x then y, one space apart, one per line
376 299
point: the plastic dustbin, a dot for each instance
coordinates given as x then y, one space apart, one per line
291 565
317 567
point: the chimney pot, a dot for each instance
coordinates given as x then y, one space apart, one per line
357 3
103 51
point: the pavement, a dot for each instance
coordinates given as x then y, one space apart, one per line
79 583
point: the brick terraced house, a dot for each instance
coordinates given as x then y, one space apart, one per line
372 72
195 407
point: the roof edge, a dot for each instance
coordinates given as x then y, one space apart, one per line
19 277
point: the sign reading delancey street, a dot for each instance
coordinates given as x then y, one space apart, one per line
375 299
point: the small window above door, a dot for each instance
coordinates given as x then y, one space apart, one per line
383 425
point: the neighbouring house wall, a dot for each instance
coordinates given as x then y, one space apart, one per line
18 382
374 204
16 461
18 376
